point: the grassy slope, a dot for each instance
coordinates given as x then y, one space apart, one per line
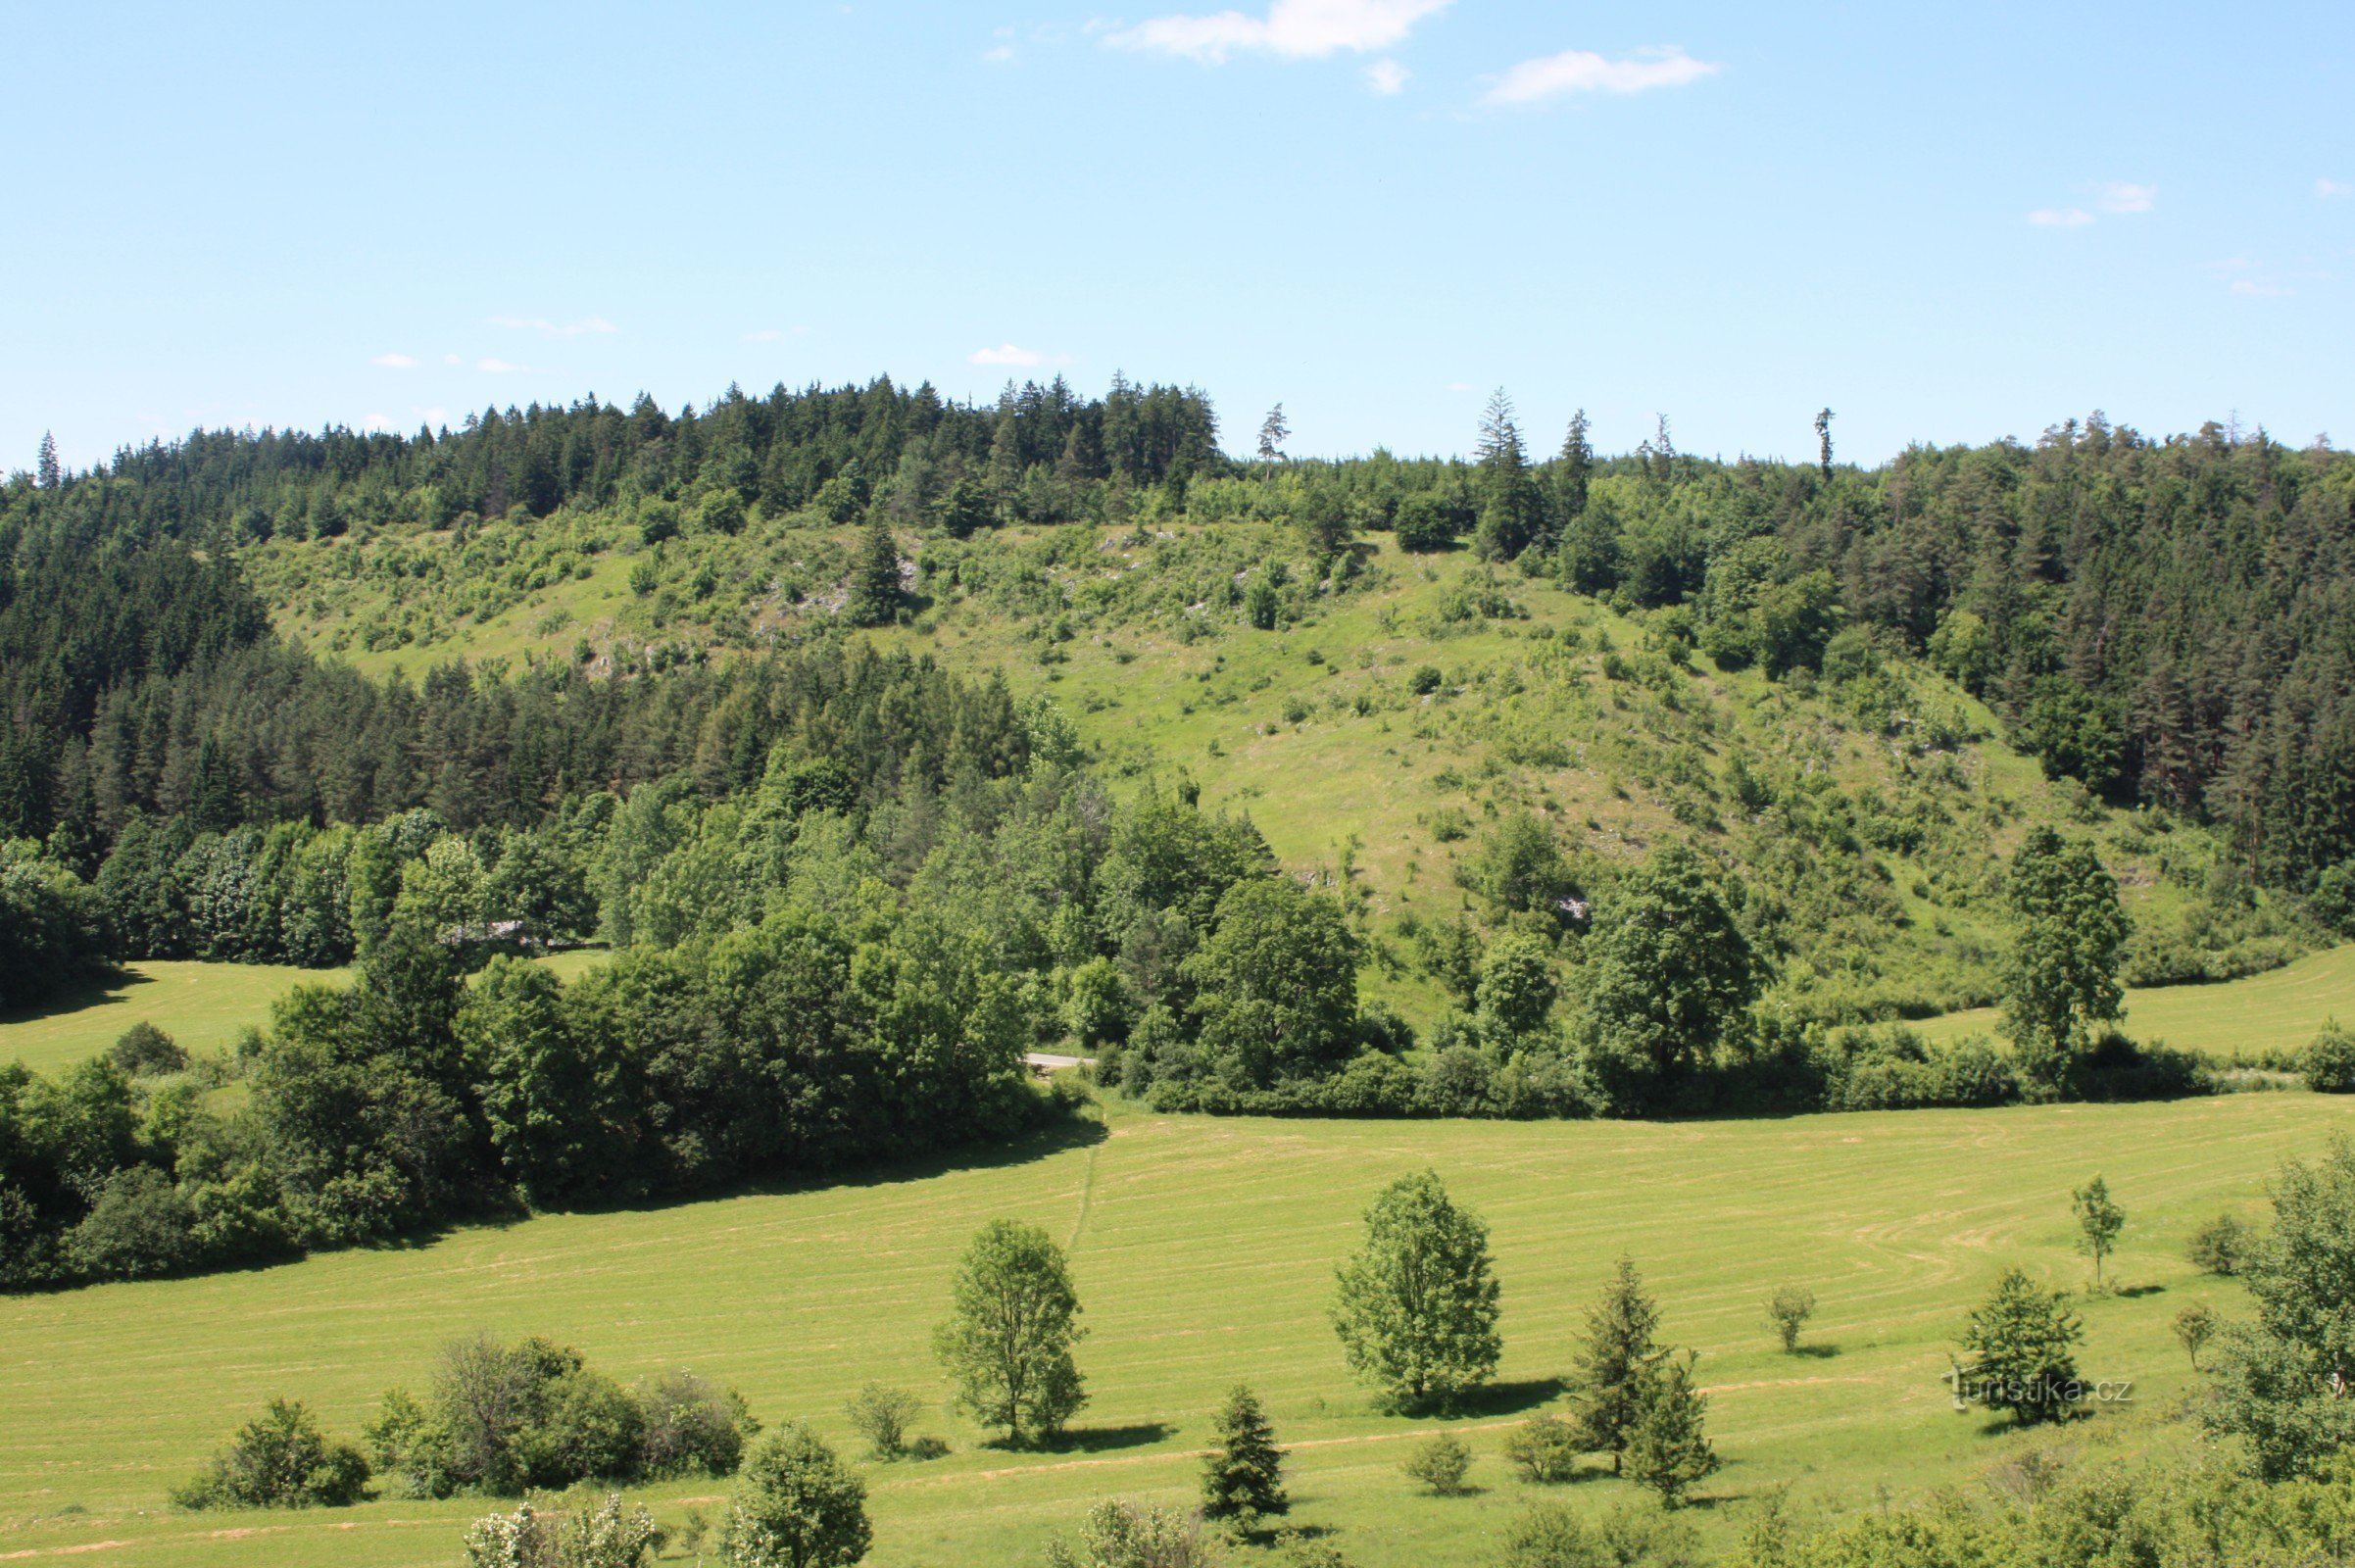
1151 703
2247 1017
204 1006
1204 1251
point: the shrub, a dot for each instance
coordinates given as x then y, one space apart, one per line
139 1226
1789 1309
2222 1246
146 1052
1129 1535
883 1416
2329 1062
796 1507
1440 1463
689 1426
279 1461
599 1537
1545 1451
1425 680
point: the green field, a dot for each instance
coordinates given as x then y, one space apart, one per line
1204 1251
2240 1018
204 1006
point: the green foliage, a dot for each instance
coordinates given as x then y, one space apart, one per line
2063 974
1669 974
146 1052
1668 1447
2328 1062
875 594
1006 1342
882 1416
2194 1326
1416 1308
1440 1463
501 1418
1275 986
1615 1355
1520 869
1788 1311
1130 1535
795 1505
2222 1246
1544 1450
1243 1477
2279 1382
279 1461
2021 1346
2099 1219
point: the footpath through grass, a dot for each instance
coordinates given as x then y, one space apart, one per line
2282 1010
1203 1250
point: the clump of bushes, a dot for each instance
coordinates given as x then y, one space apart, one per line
2329 1063
279 1461
2222 1246
1545 1450
146 1052
502 1419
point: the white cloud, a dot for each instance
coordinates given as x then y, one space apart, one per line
1387 78
2060 218
1006 354
451 358
999 55
1297 29
1459 386
395 361
500 367
1582 71
2329 189
540 324
2119 196
2250 288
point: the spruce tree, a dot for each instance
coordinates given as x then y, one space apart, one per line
47 473
1613 1359
1242 1478
1508 498
1668 1448
1575 471
1823 443
2023 1344
875 595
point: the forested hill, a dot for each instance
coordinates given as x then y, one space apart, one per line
1821 672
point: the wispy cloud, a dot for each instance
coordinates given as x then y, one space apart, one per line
548 329
1006 354
1575 71
1295 29
2329 189
999 55
1387 78
2060 218
395 361
2121 196
2250 288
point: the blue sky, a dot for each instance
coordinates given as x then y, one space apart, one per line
1948 225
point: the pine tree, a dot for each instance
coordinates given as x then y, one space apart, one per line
875 591
1668 1447
1613 1359
1243 1477
1273 433
1823 443
46 472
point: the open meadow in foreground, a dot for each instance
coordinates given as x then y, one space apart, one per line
1204 1253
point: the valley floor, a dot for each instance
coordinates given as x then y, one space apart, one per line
1203 1250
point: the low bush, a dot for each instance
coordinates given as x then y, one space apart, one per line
1545 1451
146 1052
2328 1065
1440 1463
279 1461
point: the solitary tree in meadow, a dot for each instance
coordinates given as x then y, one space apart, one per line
1416 1309
1242 1478
2194 1327
1008 1341
1788 1311
2099 1219
2022 1346
1613 1359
